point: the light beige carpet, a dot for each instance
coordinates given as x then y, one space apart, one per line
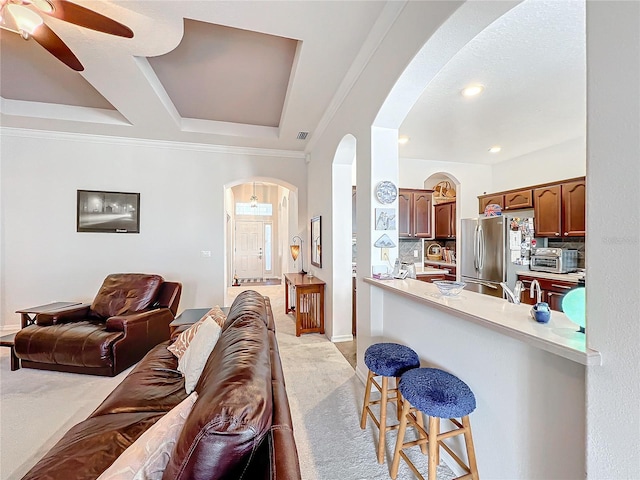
38 407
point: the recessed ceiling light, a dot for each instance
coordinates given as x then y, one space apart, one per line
472 90
495 149
403 139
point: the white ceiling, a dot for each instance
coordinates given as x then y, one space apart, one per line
256 73
532 63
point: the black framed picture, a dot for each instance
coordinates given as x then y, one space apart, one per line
108 212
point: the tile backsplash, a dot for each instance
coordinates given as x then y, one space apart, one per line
575 243
406 247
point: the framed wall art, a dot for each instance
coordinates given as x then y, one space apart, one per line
385 218
108 212
316 242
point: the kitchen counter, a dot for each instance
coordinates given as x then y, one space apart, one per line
439 263
563 277
529 379
422 271
559 336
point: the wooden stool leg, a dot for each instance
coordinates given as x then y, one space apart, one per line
367 395
398 399
400 440
383 419
420 420
471 453
434 431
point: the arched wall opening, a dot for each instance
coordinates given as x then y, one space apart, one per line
343 165
283 221
462 26
446 189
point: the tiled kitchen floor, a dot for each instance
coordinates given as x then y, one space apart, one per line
348 350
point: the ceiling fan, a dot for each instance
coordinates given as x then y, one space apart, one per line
24 17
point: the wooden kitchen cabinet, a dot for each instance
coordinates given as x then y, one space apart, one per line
518 199
547 211
553 291
445 220
432 278
415 209
574 208
559 210
485 200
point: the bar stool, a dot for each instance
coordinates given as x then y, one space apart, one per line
437 394
386 360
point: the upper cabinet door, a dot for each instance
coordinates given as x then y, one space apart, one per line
404 213
422 208
573 208
547 208
520 199
483 201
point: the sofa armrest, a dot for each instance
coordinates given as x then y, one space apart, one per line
123 323
62 316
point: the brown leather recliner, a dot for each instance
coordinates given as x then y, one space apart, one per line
128 317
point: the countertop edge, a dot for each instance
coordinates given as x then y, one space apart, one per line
589 357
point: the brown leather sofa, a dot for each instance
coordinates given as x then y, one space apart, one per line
128 317
239 428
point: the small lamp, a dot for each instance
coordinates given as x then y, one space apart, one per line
296 250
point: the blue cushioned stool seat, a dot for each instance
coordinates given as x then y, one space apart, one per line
387 360
390 359
438 394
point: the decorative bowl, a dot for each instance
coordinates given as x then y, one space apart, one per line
449 288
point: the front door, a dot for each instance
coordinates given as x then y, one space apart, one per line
249 250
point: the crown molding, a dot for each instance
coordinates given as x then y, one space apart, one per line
188 146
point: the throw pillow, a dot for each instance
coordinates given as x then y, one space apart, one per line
195 357
147 457
182 342
218 315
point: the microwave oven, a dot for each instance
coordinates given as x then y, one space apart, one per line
554 260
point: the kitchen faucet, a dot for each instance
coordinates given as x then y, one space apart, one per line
513 296
535 285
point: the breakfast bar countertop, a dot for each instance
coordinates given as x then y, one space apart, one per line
420 271
563 277
559 336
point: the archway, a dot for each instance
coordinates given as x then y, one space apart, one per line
278 202
344 162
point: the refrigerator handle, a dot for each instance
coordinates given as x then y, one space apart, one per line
475 247
480 248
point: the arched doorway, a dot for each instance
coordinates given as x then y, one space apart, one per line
343 180
260 214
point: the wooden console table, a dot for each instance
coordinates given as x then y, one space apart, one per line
309 302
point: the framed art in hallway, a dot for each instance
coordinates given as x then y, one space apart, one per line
108 212
316 241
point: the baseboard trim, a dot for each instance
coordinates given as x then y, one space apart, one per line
342 338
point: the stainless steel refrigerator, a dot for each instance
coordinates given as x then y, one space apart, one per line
493 249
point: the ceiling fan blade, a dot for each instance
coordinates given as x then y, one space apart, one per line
72 13
52 42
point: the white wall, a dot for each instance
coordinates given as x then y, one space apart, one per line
559 162
181 213
613 238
